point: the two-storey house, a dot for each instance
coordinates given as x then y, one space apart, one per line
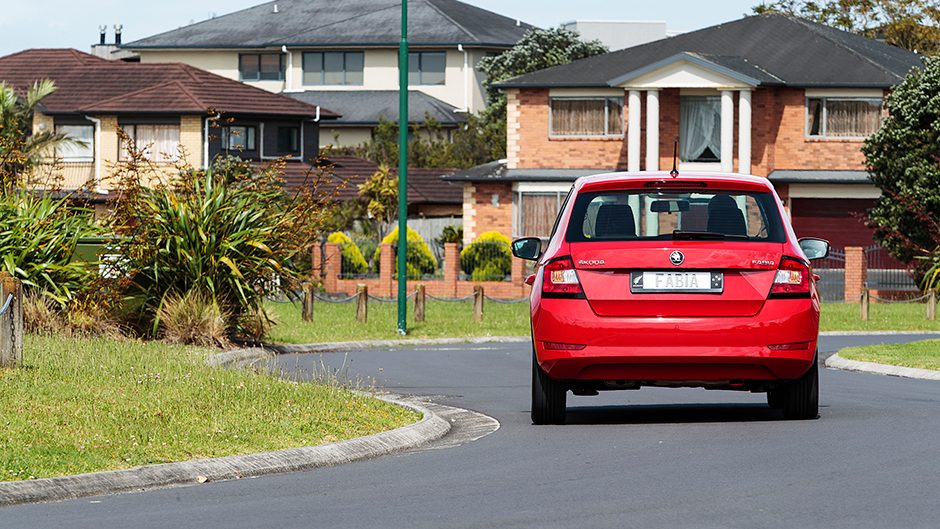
768 95
174 112
344 55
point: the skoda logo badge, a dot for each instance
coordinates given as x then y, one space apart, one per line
676 258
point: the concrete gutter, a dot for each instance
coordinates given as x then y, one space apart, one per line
837 362
378 344
430 428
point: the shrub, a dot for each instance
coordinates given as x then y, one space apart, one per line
451 233
230 234
41 315
488 257
192 319
353 261
38 236
420 261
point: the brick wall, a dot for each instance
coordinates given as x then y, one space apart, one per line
487 206
528 143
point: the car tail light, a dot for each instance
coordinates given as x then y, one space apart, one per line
795 346
558 346
560 279
792 279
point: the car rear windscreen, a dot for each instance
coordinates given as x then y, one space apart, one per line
675 215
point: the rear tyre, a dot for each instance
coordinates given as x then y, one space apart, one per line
775 399
548 397
800 399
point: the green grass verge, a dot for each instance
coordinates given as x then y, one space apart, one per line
921 355
95 404
336 322
882 317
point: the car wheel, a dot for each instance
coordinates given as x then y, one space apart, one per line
800 398
775 399
548 397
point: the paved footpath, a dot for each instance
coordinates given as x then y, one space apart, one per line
650 458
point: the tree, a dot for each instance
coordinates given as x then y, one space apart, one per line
381 189
20 149
903 159
908 24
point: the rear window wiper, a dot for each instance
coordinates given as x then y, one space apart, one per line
706 235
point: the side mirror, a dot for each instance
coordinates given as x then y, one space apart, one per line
814 248
528 248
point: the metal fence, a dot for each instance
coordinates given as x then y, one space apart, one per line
831 272
886 273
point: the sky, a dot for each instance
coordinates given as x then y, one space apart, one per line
74 23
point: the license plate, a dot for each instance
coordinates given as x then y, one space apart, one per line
653 281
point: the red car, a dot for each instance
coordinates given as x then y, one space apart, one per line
650 279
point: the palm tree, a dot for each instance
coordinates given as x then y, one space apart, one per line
20 149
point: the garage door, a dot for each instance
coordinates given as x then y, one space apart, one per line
840 221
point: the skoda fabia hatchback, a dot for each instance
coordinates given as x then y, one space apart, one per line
695 280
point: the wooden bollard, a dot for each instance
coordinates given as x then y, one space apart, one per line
362 303
419 303
11 321
478 303
307 312
863 306
932 305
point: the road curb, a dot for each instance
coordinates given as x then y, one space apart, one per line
430 428
837 362
327 347
877 333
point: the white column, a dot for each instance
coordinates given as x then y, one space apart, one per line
652 130
727 131
744 132
633 131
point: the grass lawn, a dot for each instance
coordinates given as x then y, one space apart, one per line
336 322
882 317
922 355
95 404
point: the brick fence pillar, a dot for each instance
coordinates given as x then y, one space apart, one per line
518 275
451 268
332 267
856 273
316 263
386 270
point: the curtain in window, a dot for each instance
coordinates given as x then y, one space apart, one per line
852 118
699 127
615 115
579 117
538 214
159 142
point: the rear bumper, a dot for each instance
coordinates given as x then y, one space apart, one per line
699 349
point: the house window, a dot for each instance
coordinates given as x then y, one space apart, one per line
842 117
594 116
238 138
82 146
333 68
158 143
261 66
699 129
537 211
288 139
426 67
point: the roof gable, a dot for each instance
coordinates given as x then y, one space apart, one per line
346 23
685 70
775 49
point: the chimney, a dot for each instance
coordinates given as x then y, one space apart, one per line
117 34
102 34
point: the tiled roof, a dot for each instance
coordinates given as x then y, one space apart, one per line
774 49
366 107
344 23
424 185
497 170
88 84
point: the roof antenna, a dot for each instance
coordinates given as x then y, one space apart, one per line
675 157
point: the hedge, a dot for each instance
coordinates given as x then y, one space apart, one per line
419 261
488 257
353 262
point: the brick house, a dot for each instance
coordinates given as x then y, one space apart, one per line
768 95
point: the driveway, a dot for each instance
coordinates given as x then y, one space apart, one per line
648 458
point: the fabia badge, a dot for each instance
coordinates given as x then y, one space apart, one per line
676 258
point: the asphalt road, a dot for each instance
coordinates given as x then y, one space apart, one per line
648 458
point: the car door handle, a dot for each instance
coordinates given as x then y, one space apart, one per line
530 280
816 277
